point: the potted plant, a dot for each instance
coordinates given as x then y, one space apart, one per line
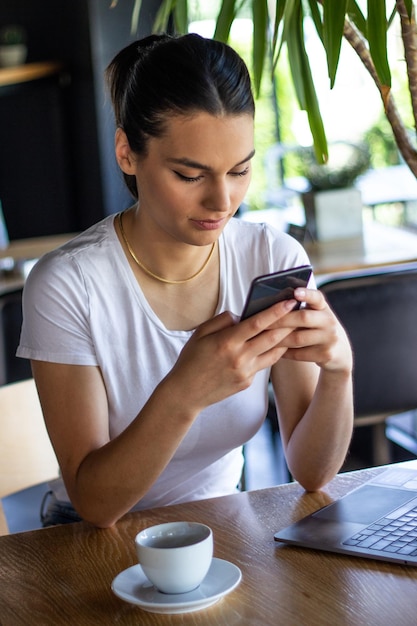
331 186
13 50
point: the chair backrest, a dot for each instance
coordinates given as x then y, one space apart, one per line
26 453
378 308
12 368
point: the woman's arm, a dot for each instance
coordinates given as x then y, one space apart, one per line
106 478
313 387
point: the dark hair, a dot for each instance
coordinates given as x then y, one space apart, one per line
162 75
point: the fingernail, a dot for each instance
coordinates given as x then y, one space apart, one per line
290 304
299 292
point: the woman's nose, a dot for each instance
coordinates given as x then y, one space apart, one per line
218 197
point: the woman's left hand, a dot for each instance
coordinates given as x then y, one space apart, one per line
317 334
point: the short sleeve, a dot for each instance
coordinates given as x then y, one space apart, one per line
56 313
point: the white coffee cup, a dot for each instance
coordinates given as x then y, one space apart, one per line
175 556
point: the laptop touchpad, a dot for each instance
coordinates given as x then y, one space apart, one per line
365 505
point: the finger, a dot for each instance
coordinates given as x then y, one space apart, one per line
267 341
313 298
269 358
305 337
258 323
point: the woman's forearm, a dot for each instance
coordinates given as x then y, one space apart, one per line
114 477
319 443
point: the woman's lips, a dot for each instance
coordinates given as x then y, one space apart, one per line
210 224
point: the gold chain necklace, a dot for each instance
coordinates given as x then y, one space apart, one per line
149 272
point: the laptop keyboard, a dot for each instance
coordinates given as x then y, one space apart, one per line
395 533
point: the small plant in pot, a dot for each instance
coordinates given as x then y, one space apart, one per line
13 49
333 206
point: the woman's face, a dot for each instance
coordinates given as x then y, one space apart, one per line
194 178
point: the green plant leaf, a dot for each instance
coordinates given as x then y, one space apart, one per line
224 20
409 7
135 17
333 25
391 17
357 17
286 18
181 16
303 81
162 17
377 37
279 12
260 40
317 17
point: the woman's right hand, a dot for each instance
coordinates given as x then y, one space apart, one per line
223 355
220 359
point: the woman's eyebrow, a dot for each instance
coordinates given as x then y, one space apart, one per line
200 166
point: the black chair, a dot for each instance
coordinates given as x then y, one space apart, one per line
378 309
12 369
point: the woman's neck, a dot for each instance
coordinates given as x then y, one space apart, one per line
162 258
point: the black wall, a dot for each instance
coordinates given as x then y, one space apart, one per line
57 168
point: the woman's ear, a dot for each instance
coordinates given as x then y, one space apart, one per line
124 155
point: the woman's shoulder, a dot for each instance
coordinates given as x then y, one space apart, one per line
93 238
247 233
88 249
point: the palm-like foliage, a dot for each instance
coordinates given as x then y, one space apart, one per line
281 23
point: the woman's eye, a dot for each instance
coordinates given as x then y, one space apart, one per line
188 179
194 179
241 173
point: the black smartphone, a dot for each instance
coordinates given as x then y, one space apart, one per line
272 288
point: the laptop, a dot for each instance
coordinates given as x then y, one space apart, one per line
377 520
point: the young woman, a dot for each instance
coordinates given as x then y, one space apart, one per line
148 382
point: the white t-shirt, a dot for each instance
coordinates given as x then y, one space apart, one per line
82 305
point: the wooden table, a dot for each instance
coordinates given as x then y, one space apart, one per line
380 245
63 575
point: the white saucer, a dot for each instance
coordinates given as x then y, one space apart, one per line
132 586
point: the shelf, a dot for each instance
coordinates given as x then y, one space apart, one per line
27 72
